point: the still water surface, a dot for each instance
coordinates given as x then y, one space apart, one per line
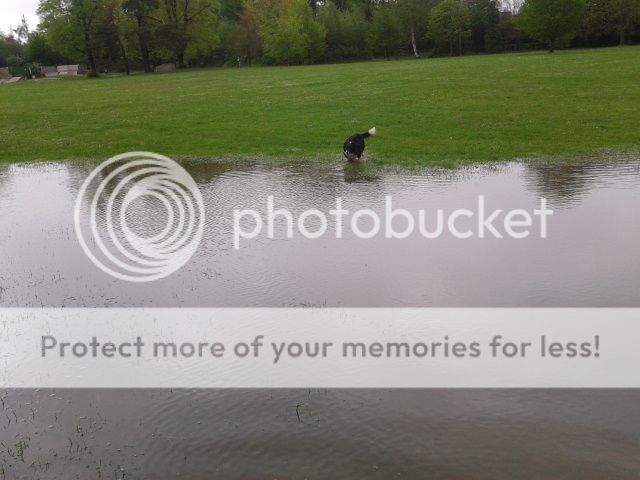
590 258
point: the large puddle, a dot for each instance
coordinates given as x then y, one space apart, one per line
591 258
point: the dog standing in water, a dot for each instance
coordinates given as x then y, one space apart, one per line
354 146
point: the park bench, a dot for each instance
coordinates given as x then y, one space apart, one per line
68 70
165 67
49 72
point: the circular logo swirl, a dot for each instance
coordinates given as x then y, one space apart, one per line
121 198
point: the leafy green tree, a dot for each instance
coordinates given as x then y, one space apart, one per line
347 32
449 24
330 18
554 22
203 40
257 20
485 25
296 37
315 37
142 12
286 43
387 32
11 50
358 33
113 35
230 9
612 17
231 41
414 15
71 26
186 29
40 51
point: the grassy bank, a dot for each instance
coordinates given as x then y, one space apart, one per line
434 111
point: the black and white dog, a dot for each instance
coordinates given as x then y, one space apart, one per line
354 146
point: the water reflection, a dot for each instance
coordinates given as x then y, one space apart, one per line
354 173
567 183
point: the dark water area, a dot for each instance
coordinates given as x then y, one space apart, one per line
591 258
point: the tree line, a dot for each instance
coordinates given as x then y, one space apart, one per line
121 35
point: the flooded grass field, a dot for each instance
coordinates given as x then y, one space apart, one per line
591 258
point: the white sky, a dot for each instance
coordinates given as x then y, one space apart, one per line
11 12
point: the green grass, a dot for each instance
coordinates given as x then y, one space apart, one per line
432 111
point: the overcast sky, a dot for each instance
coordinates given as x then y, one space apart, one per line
11 12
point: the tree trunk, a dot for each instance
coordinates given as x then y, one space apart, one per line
413 43
93 70
180 56
145 57
460 44
621 36
142 40
125 58
185 32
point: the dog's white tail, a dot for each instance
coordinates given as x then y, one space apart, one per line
372 131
